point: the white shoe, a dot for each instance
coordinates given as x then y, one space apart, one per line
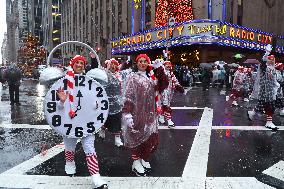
235 103
171 124
161 119
227 98
250 115
270 125
246 100
98 182
70 168
137 168
281 112
102 133
146 165
117 141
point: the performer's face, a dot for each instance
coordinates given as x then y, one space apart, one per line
271 62
168 67
113 68
142 64
78 67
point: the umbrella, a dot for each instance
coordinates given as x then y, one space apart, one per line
233 65
220 63
238 56
206 65
251 61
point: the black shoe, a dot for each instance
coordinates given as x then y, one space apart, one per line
104 186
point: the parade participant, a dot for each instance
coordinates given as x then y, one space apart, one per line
238 89
265 89
140 119
167 95
280 79
246 84
77 66
13 76
114 91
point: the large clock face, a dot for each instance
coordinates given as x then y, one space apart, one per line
90 104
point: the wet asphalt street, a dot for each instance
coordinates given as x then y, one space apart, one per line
213 145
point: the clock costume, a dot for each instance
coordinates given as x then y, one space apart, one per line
167 95
114 91
280 79
140 114
265 89
69 120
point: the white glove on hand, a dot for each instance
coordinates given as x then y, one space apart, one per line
127 120
185 91
268 48
165 54
157 63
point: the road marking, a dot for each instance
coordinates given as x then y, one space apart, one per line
178 127
43 181
281 128
235 182
194 173
186 108
276 171
24 126
35 161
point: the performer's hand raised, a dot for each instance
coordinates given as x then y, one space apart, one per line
62 95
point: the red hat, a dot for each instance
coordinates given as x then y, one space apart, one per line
240 68
143 56
115 62
279 66
76 59
167 63
271 57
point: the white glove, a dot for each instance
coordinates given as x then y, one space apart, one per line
157 63
165 53
127 120
268 48
185 91
128 58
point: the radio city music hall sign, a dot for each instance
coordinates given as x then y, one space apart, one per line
194 29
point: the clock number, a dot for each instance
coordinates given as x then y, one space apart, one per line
90 84
105 105
54 96
91 127
65 82
69 128
56 120
79 131
100 91
80 78
51 107
101 118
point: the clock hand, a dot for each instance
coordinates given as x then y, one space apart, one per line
79 95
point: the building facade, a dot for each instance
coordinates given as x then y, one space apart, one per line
51 26
4 51
12 19
94 22
220 29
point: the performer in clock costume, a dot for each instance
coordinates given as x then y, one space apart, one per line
140 116
114 91
265 89
167 95
88 102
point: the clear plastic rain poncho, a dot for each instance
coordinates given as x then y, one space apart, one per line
114 92
140 103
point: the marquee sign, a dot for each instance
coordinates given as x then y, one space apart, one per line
195 32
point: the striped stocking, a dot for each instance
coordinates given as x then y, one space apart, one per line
93 165
69 156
